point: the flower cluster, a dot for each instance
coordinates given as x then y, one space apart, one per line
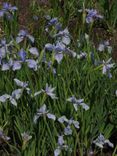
67 129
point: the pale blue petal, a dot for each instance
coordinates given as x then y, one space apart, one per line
13 101
57 152
34 51
51 116
19 39
31 38
5 67
16 65
62 119
17 93
58 57
4 97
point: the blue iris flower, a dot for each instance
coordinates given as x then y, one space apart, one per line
8 10
22 55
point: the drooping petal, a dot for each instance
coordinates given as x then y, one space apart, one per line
16 94
85 106
62 119
31 38
58 57
13 101
37 93
76 124
34 51
51 116
20 83
109 143
49 47
68 130
16 65
32 64
60 140
66 40
35 118
4 97
42 109
5 67
57 152
22 54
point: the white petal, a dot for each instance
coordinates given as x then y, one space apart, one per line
75 107
43 109
18 82
58 57
66 40
51 116
57 152
86 107
4 97
37 93
76 124
17 93
13 101
5 67
109 143
34 51
62 119
31 38
35 118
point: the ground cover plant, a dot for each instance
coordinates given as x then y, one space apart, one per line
58 83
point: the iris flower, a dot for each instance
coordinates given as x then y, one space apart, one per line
8 10
43 112
3 137
15 65
104 45
16 94
23 85
24 34
101 141
91 15
78 102
107 67
68 130
22 54
61 146
48 91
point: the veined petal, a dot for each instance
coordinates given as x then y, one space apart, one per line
16 65
37 93
51 116
17 93
62 119
58 57
34 51
20 83
13 101
86 107
4 97
5 67
75 107
31 38
57 152
19 39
